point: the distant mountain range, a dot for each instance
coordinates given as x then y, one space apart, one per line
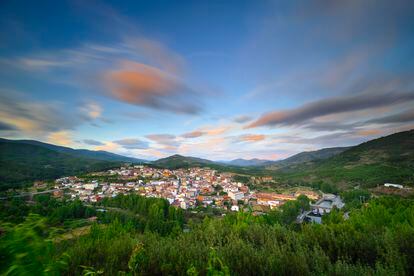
246 162
389 158
303 157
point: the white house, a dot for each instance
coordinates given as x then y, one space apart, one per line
236 195
390 185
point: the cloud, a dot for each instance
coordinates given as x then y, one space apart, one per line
217 130
131 143
242 119
330 106
134 70
167 140
6 127
144 85
39 63
94 111
63 138
92 142
402 117
369 132
193 134
251 138
34 118
157 54
91 111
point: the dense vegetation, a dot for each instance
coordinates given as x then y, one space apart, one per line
307 157
22 164
387 159
145 236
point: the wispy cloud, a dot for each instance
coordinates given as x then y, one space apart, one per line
92 142
242 119
166 140
331 106
401 117
33 117
132 143
251 138
194 134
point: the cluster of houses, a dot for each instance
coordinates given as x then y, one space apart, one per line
184 188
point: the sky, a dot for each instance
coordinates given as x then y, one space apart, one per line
212 79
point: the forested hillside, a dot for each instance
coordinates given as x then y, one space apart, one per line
179 161
21 164
386 159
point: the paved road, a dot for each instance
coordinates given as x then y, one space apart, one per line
30 194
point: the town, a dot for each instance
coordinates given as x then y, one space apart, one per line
186 188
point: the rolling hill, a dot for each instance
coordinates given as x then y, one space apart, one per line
386 159
179 161
98 155
22 162
306 157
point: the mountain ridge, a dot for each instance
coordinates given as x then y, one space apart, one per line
98 155
385 159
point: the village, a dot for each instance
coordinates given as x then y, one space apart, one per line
184 188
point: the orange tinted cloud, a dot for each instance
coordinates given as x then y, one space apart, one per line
217 130
269 118
63 138
144 85
252 137
369 132
139 85
193 134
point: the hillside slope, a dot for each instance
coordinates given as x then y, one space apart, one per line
307 157
179 161
21 164
98 155
386 159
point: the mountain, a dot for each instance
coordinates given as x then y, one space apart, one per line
179 161
24 161
386 159
307 157
246 162
98 155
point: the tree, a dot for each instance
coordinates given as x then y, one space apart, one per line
303 202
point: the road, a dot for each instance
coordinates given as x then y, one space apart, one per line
31 194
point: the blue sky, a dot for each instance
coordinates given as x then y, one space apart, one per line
213 79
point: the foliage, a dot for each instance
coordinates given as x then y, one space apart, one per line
377 239
26 249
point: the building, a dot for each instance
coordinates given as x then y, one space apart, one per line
327 203
236 195
391 185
